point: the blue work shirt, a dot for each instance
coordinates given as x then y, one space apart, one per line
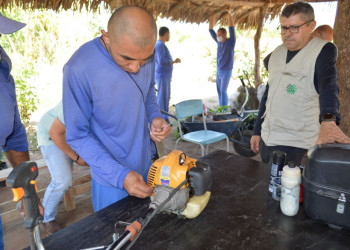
164 68
225 52
12 133
106 113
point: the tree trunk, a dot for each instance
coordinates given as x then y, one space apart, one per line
257 48
341 39
257 78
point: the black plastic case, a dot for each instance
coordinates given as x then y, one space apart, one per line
326 181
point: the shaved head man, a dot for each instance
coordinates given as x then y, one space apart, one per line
131 37
324 32
108 103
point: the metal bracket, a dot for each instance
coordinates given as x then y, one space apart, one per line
341 204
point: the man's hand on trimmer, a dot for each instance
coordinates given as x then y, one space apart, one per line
136 186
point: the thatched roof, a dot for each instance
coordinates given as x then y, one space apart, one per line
246 13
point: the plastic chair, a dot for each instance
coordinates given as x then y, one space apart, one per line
201 137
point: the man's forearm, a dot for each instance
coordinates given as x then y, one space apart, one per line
211 24
16 158
211 20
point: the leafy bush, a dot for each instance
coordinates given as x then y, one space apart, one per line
18 45
248 62
27 99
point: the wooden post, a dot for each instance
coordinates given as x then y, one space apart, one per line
341 39
262 12
69 200
257 48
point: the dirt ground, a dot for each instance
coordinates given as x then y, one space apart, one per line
16 237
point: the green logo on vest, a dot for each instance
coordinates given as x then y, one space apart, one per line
291 89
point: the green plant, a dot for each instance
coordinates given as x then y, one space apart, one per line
27 99
19 46
219 109
248 66
176 133
32 138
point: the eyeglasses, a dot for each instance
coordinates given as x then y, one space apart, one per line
294 29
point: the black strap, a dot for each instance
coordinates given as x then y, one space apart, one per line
143 97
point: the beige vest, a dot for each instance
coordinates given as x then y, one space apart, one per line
292 107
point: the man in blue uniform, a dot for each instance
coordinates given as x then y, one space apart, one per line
13 137
225 54
108 102
164 69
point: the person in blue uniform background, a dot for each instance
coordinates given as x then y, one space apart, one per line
164 69
13 137
225 54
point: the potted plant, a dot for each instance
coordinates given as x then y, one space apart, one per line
219 110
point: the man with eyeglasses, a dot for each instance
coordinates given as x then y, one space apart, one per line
108 101
300 105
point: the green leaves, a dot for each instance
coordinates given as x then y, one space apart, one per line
20 46
219 109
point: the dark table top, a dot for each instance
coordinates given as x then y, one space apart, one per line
240 215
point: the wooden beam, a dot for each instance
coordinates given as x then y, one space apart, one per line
69 200
81 185
5 172
10 216
82 188
81 180
259 3
8 205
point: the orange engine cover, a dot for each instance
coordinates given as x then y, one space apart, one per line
170 170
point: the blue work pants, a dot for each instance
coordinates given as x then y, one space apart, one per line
222 80
103 196
163 97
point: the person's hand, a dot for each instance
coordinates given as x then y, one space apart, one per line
40 205
81 162
331 133
177 60
136 186
255 143
230 19
159 129
212 20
